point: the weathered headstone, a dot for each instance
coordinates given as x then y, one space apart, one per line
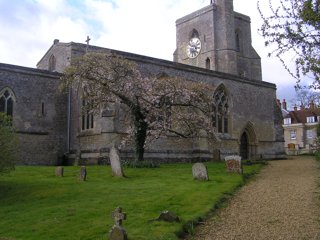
168 216
59 172
216 155
233 164
83 173
115 162
200 172
117 232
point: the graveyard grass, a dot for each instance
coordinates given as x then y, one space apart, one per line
35 204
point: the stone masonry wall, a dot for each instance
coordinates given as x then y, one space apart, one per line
251 102
39 114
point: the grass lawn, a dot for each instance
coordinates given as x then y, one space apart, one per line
34 204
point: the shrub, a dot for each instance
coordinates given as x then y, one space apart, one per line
7 144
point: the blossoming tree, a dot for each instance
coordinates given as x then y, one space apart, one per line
156 106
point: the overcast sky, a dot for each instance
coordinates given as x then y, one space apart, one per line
146 27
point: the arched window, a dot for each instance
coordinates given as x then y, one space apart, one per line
208 64
194 34
6 101
220 110
52 63
238 41
87 120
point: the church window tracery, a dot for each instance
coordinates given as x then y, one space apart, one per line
220 110
87 121
6 102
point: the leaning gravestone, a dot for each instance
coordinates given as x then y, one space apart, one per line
115 162
200 172
59 172
117 232
233 164
83 173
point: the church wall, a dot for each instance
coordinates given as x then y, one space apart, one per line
202 21
249 62
62 56
39 114
250 102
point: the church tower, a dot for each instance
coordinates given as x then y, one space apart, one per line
217 38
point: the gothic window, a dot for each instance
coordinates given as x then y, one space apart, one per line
220 110
52 63
238 41
194 34
6 102
86 118
208 64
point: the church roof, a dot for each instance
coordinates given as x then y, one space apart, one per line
28 70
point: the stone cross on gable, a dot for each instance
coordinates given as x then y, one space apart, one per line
87 41
118 216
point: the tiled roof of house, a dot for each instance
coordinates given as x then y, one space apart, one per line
300 116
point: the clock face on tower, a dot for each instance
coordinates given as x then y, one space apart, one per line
194 47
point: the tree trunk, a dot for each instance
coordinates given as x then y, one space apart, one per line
140 134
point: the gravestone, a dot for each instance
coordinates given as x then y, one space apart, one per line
200 172
83 173
233 164
59 172
115 162
117 232
168 216
216 155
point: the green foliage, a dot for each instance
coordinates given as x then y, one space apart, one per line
293 27
317 156
318 130
317 143
7 144
37 205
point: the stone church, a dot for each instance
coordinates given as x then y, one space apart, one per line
213 45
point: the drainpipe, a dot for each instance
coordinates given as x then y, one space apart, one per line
69 120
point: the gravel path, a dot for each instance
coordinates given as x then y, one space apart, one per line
281 203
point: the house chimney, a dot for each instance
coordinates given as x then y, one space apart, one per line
284 104
55 41
295 108
302 106
278 103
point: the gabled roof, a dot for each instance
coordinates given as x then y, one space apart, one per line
300 116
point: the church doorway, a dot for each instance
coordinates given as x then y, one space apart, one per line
248 142
244 147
